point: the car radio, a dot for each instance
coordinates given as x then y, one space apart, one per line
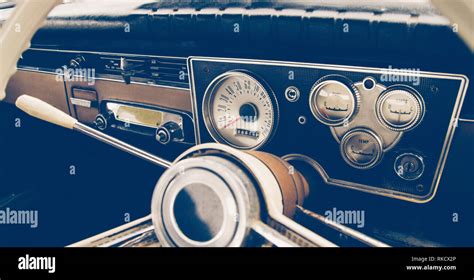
164 124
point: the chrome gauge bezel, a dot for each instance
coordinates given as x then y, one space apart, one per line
420 160
334 79
379 145
420 104
209 119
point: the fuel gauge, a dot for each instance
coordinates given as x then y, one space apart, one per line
334 100
400 109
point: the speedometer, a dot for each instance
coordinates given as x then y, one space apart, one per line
239 110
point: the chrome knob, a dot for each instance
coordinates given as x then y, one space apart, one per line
169 132
102 121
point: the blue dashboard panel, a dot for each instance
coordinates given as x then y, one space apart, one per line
298 132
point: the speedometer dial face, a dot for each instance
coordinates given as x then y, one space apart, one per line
239 111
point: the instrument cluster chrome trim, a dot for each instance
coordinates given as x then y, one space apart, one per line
389 137
378 143
464 81
210 126
420 103
316 112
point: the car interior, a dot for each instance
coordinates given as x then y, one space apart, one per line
240 123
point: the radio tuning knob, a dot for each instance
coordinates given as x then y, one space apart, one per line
168 132
77 62
102 121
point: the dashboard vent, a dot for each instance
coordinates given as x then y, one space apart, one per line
148 69
169 70
158 70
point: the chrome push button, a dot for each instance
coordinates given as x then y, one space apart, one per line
361 148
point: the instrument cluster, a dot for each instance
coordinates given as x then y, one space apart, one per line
388 136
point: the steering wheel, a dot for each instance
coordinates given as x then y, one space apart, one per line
16 34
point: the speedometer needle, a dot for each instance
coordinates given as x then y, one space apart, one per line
232 122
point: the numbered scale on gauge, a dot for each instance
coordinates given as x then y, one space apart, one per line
239 111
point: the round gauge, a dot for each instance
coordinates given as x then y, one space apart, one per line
361 148
333 100
239 110
399 109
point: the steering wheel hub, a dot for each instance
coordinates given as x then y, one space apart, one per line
204 201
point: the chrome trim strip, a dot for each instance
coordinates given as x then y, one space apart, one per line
121 145
362 237
81 102
271 235
127 237
105 53
466 120
104 235
326 67
103 79
371 70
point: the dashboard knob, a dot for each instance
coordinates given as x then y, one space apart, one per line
102 121
361 148
77 62
400 108
334 100
168 132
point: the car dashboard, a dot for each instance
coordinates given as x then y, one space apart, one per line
377 118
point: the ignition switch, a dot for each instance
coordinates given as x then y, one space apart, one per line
409 166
